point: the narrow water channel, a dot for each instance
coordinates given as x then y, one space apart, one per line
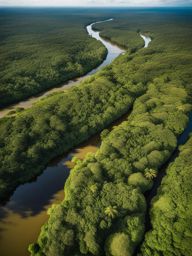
157 182
149 195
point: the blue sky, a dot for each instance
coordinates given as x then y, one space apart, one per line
144 3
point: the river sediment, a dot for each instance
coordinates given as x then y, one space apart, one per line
23 215
26 211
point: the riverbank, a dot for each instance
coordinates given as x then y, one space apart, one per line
36 213
27 207
108 187
41 50
152 195
112 52
171 208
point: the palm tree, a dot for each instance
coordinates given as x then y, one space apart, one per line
150 174
111 211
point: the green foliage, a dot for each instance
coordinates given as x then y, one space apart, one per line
171 212
40 50
111 211
113 179
75 160
105 211
104 134
139 180
119 244
150 174
139 145
30 139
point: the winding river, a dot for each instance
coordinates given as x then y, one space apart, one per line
23 215
146 39
113 52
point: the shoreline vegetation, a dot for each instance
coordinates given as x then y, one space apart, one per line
40 130
172 208
104 208
57 123
44 54
112 52
103 212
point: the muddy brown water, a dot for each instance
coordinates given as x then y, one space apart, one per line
26 211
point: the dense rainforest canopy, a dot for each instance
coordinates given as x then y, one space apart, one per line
42 49
31 138
171 212
103 212
104 205
104 209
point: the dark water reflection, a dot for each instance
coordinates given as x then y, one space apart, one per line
25 212
185 135
30 198
23 215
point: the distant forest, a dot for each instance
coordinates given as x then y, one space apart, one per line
105 207
40 50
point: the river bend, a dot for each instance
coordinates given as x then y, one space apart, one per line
23 215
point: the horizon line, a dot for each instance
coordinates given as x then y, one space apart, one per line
95 6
